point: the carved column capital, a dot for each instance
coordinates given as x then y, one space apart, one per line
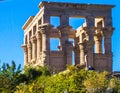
90 30
38 35
108 31
33 39
98 37
29 46
45 28
64 29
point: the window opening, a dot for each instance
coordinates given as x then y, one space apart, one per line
54 43
55 21
76 22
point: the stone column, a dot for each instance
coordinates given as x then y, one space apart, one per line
64 31
44 29
98 43
90 31
25 55
38 36
34 50
29 47
82 54
107 32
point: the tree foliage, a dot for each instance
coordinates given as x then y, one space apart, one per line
9 77
39 80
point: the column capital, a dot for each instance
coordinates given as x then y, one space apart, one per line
90 30
45 28
64 29
38 35
98 35
33 39
29 46
108 31
24 47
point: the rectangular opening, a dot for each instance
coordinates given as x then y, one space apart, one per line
103 46
54 43
71 40
76 22
99 22
55 21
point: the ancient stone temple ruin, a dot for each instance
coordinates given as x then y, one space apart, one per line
92 40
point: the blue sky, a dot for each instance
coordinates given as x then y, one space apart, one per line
14 13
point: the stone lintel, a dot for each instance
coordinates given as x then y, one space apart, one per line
74 5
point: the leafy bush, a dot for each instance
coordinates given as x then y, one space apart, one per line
39 80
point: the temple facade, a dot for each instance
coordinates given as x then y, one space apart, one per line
92 40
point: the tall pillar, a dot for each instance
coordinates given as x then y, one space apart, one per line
34 49
44 29
107 32
64 31
90 30
25 55
38 36
29 47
